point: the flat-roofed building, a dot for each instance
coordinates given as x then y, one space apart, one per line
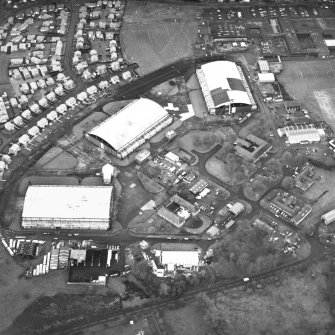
329 217
128 129
67 207
252 148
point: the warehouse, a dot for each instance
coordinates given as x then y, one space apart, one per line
126 130
224 87
301 134
67 207
174 255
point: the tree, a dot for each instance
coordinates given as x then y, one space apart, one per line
288 183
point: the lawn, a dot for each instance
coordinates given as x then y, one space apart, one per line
229 168
201 141
150 223
295 306
313 84
149 184
63 161
187 320
154 35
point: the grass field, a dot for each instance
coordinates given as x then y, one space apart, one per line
201 141
63 161
149 184
154 35
313 83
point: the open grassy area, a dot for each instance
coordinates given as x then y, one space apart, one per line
297 306
154 35
63 161
150 223
187 320
229 168
202 141
312 82
149 184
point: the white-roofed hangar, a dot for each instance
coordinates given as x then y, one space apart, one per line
67 207
225 87
128 129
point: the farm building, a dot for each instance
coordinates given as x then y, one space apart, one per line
224 86
126 130
67 207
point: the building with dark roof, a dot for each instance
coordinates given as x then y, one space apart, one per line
224 86
252 148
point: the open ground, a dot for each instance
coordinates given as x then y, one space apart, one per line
312 82
154 35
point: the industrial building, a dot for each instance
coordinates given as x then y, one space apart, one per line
252 148
306 133
329 217
174 255
225 87
128 129
67 207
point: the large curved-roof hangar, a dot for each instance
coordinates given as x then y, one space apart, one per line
223 83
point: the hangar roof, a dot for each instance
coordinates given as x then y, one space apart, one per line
65 202
224 83
131 121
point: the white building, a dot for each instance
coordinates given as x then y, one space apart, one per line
52 116
67 207
82 96
9 126
172 158
329 217
14 149
107 173
61 109
92 90
128 129
126 75
223 84
26 114
42 123
33 131
18 121
266 77
24 139
306 133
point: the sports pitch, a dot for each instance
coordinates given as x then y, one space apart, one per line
313 83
